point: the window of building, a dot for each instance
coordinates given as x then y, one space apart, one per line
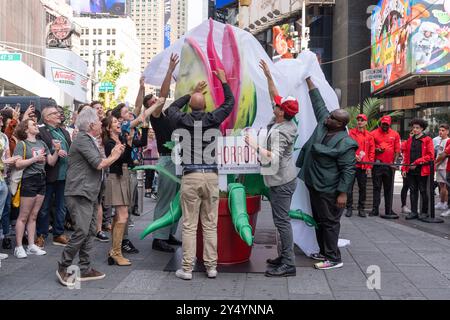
94 42
113 42
99 42
108 42
113 31
108 31
100 31
94 31
86 42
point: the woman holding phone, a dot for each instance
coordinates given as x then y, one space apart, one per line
34 154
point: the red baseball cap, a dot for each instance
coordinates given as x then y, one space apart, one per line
362 115
386 119
288 104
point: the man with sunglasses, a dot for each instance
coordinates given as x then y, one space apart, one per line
365 153
387 150
327 162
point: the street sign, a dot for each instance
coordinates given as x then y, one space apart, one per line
106 87
371 75
10 57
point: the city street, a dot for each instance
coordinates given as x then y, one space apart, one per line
413 265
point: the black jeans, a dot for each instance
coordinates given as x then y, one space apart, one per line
361 177
149 176
383 176
417 184
327 216
404 192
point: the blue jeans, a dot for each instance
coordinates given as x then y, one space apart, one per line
57 189
5 206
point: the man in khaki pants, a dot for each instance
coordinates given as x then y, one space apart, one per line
199 187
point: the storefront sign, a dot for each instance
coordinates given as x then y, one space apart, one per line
61 28
10 57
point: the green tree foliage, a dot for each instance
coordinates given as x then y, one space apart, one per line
115 68
371 108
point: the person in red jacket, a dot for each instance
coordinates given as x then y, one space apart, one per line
365 153
387 150
419 151
442 157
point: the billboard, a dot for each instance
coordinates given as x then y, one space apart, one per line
70 82
167 27
283 41
115 7
410 37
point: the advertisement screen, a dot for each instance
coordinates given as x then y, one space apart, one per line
283 43
115 7
410 37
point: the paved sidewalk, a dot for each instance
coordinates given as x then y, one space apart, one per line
413 265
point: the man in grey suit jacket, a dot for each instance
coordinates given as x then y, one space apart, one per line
84 176
280 174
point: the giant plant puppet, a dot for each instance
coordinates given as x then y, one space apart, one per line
240 54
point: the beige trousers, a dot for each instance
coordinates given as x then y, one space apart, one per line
200 198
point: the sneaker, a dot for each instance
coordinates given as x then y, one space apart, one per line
348 213
153 196
101 236
130 223
34 249
128 247
64 277
444 206
406 210
40 241
318 257
60 240
174 241
148 195
212 273
7 244
326 265
92 274
283 270
412 216
183 274
3 256
274 262
162 245
19 252
445 213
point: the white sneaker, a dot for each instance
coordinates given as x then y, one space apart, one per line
3 256
406 210
183 274
212 273
445 213
34 249
439 206
444 206
19 252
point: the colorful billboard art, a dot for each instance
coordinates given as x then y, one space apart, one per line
283 43
430 39
410 37
389 40
115 7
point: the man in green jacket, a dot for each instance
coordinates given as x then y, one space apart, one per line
327 162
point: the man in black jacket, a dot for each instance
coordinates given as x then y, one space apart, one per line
200 183
56 178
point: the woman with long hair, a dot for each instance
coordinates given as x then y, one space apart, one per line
34 154
117 193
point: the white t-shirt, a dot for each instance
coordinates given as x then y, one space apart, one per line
4 147
439 149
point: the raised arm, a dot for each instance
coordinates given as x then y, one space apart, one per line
140 96
165 87
320 110
174 111
221 113
272 89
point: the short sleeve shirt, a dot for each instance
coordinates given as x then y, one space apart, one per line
4 147
32 149
447 152
387 141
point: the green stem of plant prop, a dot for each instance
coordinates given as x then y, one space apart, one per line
300 215
238 207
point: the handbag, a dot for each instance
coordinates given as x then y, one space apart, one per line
16 181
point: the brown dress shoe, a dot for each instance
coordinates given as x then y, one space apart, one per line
40 241
60 240
91 274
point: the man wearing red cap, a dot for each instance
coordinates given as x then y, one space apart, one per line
365 153
387 150
279 173
327 162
